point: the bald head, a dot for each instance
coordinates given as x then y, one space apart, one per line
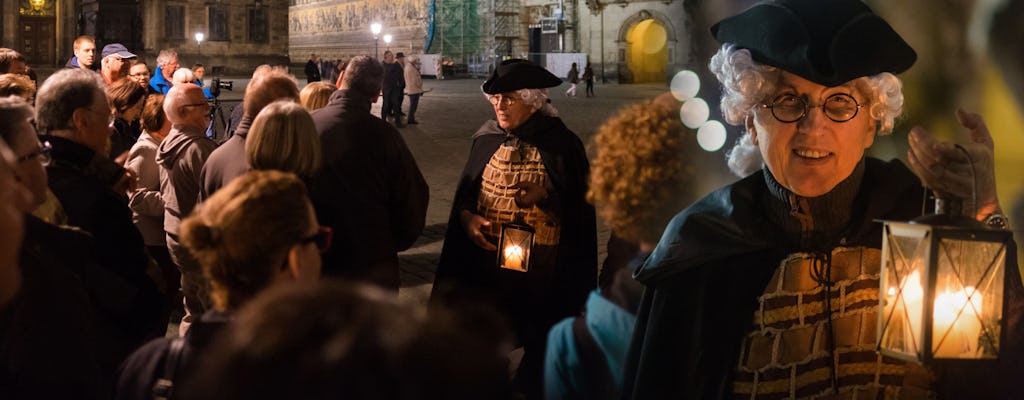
186 106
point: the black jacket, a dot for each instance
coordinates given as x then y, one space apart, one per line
312 72
369 191
394 77
717 256
50 344
140 372
467 270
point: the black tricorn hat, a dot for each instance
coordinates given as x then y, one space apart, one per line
829 42
518 74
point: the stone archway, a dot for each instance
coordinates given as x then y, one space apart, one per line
639 59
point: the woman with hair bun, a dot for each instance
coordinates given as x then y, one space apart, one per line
255 233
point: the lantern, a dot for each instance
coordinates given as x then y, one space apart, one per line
515 245
942 285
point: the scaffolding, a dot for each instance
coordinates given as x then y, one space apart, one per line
457 29
476 33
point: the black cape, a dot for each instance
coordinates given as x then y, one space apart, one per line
467 269
717 256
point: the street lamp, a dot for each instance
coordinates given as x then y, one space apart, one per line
199 41
375 28
387 40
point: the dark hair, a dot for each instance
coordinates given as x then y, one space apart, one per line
197 66
337 340
124 94
364 75
242 233
7 57
17 85
153 116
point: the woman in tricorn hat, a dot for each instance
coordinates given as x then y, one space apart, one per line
526 165
736 304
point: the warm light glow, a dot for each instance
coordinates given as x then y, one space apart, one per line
38 3
387 38
694 112
199 37
685 85
962 340
963 332
711 136
514 257
375 28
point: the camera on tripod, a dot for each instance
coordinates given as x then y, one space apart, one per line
218 84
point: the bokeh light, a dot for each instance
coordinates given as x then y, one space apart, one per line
711 136
694 112
685 85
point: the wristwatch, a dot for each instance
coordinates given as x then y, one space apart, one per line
997 221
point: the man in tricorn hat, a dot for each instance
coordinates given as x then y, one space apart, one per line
770 286
524 166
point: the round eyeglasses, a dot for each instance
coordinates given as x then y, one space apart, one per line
839 107
503 100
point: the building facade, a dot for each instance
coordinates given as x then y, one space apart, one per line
626 40
237 34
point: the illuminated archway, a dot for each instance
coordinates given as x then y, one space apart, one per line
647 56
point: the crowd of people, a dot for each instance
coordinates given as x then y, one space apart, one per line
276 251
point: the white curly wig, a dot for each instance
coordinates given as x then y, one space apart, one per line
746 83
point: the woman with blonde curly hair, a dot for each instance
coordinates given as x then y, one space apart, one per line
769 287
257 232
283 138
642 175
316 95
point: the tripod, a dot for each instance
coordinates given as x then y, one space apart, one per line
216 114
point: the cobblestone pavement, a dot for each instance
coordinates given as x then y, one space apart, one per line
448 116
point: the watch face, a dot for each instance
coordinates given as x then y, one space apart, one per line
997 221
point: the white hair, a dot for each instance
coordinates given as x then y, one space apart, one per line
165 57
536 98
746 83
183 75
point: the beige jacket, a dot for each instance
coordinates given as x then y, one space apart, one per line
413 80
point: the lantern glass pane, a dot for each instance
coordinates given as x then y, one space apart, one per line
904 277
968 299
514 253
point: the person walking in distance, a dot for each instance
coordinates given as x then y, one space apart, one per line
588 77
574 78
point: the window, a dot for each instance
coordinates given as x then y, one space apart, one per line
218 23
258 25
174 24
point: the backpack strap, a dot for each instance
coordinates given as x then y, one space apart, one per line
163 389
597 382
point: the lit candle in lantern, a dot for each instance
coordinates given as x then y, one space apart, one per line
962 340
513 257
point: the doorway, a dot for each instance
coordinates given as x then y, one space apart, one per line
648 51
37 39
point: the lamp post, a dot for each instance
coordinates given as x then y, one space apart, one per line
387 41
199 41
375 28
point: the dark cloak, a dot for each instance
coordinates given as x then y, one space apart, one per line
717 256
467 272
